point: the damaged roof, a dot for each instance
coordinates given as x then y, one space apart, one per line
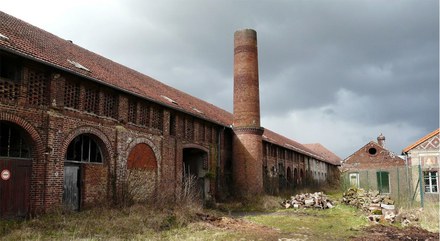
31 42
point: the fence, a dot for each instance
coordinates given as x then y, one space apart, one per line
406 185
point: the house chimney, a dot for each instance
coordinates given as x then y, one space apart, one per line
381 140
247 141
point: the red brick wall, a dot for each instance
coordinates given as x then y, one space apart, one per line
52 127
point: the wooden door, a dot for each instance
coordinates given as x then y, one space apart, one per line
72 187
15 184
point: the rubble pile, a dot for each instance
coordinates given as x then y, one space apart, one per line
309 200
379 207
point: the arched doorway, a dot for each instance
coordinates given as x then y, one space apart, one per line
196 171
82 150
141 173
15 169
295 177
289 177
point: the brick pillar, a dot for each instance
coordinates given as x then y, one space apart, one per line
247 141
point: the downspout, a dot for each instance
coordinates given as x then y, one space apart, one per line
217 176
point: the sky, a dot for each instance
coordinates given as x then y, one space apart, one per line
336 72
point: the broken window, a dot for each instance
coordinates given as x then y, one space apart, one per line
13 142
10 76
84 149
431 181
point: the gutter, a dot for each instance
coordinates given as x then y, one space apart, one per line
41 61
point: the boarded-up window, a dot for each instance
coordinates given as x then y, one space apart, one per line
383 182
91 104
142 157
354 179
71 95
37 88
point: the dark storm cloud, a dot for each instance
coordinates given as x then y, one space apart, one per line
352 65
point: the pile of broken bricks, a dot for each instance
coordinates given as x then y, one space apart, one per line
378 207
308 200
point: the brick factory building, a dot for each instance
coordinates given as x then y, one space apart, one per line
78 130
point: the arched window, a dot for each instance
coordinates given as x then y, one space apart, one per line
84 149
13 141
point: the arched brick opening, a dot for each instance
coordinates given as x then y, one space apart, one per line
33 197
195 168
93 178
142 162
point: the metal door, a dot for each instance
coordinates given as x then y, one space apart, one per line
15 183
72 190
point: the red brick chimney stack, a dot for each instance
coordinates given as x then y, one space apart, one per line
247 141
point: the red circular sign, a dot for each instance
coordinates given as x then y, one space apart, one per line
6 174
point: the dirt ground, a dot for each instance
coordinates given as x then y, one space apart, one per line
382 233
372 233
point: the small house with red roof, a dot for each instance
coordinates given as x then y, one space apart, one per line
375 167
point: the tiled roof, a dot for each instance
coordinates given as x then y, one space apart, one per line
285 142
420 141
31 42
42 46
324 152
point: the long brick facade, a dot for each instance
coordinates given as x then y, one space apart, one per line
72 124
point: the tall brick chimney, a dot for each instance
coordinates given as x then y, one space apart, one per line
247 140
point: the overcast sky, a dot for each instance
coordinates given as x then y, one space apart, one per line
334 72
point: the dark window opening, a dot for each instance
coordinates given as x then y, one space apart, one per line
84 149
172 124
372 151
13 142
10 76
9 69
